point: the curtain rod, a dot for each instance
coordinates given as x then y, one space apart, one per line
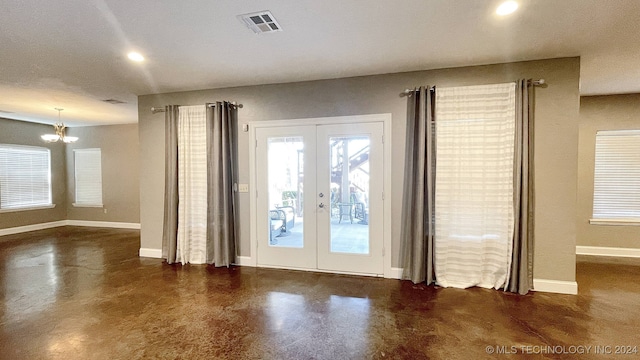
408 92
155 110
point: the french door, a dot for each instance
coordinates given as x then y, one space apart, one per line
319 197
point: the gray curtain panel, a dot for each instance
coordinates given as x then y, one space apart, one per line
521 276
221 173
170 227
418 199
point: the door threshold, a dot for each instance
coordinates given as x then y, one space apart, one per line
320 271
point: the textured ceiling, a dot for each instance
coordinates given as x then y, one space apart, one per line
72 54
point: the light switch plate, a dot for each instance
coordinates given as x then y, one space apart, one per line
243 188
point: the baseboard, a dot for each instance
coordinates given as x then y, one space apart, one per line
395 273
555 286
50 225
607 251
541 285
33 227
319 270
157 254
103 224
151 253
244 261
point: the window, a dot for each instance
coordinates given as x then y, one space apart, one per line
25 177
616 187
88 174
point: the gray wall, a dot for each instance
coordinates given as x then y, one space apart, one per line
612 112
555 148
25 133
120 172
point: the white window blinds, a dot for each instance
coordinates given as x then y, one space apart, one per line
616 188
88 173
25 177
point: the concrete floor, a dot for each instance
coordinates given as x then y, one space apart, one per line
79 293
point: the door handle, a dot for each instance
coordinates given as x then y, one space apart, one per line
321 205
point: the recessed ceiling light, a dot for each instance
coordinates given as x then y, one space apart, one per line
135 56
507 8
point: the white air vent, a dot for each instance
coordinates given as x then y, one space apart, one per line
260 22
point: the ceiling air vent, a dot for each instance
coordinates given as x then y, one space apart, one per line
114 101
260 22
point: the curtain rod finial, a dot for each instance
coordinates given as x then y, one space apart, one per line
539 82
406 92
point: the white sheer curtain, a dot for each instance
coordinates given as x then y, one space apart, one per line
474 213
192 185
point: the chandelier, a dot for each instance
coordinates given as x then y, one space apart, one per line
59 135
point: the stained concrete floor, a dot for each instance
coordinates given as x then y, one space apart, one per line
78 293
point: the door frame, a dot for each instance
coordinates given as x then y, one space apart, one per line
385 119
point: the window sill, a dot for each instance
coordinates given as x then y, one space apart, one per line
88 205
615 222
44 207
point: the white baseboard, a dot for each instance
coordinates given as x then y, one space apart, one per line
151 253
555 286
607 251
396 273
34 227
157 254
542 285
244 261
318 270
103 224
49 225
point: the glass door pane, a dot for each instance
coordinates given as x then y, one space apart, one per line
349 183
286 194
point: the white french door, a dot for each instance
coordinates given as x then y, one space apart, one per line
319 197
286 179
350 228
